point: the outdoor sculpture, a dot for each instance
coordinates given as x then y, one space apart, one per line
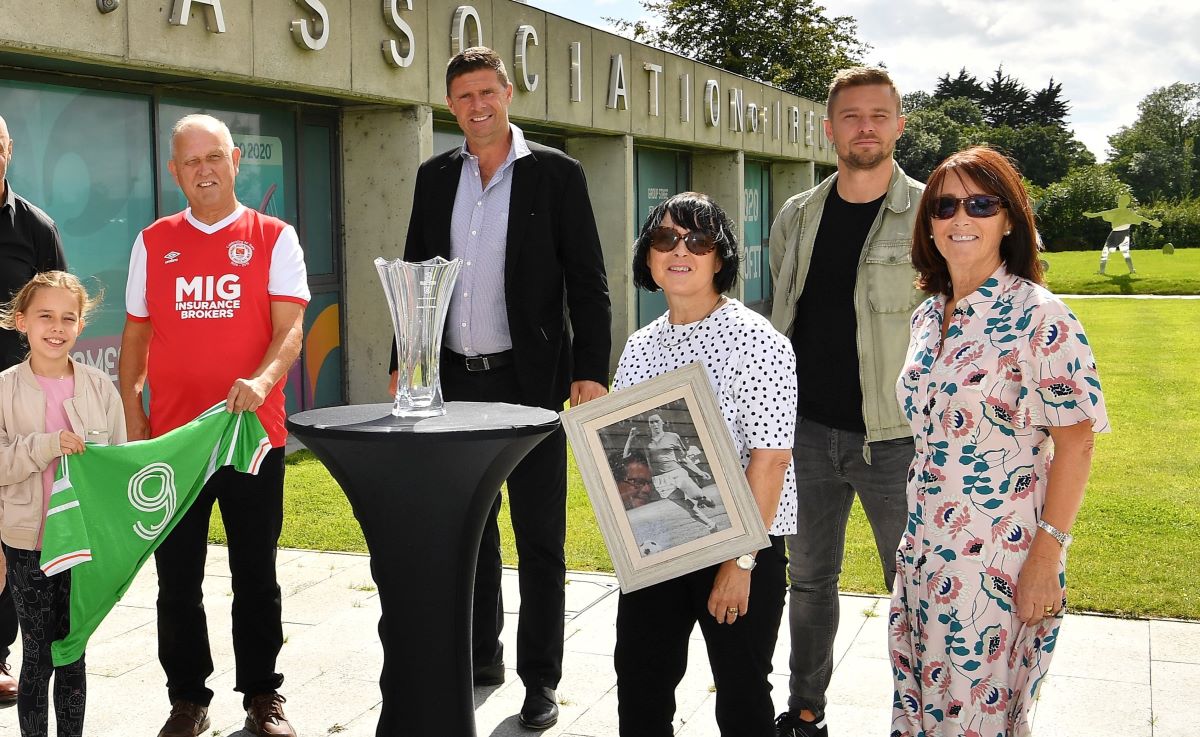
1122 218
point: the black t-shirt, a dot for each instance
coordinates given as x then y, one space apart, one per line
825 332
29 244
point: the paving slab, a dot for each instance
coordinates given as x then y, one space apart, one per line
1106 648
1178 642
1070 706
331 659
1176 697
594 631
599 719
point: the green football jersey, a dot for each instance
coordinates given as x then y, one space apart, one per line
111 506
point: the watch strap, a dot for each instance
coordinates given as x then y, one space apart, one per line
1064 539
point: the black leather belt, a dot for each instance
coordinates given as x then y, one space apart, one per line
487 362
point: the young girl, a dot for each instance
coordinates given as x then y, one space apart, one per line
49 405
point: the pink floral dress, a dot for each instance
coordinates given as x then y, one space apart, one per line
1015 361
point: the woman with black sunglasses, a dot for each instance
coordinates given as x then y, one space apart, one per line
687 249
1003 397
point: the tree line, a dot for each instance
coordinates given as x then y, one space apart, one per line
1155 160
794 45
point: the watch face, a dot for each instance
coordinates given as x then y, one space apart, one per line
746 562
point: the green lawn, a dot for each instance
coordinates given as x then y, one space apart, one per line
1137 540
1074 272
318 517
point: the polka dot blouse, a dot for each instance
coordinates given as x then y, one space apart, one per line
751 368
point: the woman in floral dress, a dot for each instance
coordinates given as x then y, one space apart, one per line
1002 393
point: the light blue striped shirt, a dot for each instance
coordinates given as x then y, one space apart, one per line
477 323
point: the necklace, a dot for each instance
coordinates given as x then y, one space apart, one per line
687 336
54 376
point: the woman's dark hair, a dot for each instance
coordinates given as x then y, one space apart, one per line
694 211
995 175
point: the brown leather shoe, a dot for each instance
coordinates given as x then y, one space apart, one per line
8 685
265 716
186 720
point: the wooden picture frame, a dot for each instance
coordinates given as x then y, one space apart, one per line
664 479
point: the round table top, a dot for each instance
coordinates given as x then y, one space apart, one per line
489 418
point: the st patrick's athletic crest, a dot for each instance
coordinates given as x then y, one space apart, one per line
240 253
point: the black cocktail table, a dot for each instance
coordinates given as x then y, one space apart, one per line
421 490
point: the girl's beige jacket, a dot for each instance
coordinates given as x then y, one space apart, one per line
26 449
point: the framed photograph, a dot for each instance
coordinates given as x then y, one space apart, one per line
664 478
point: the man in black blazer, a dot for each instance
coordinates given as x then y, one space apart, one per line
519 216
29 244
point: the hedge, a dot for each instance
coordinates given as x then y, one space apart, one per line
1060 209
1180 225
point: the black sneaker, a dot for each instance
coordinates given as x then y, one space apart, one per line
788 724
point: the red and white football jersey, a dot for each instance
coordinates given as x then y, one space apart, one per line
207 292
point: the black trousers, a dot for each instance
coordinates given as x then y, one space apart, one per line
8 624
252 510
43 604
653 627
537 498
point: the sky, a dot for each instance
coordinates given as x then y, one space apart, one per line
1108 54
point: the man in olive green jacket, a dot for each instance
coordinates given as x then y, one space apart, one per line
844 294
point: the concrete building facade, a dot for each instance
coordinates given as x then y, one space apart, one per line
334 104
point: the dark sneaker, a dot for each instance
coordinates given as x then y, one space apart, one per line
265 716
788 724
186 720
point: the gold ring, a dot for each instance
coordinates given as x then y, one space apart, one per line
1049 609
732 610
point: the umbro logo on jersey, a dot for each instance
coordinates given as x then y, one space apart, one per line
171 257
240 253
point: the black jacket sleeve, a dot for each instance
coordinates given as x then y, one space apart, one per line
586 283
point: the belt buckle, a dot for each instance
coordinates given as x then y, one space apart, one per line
478 363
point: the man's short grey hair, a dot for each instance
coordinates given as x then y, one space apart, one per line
205 122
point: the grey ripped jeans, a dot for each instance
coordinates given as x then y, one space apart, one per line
830 468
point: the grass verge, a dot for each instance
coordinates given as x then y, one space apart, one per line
1074 272
1138 533
1139 528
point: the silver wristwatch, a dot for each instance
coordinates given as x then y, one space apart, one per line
1064 539
746 562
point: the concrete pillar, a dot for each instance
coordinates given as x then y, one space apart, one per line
790 178
608 164
381 150
722 176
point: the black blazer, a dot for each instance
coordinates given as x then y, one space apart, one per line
553 263
29 245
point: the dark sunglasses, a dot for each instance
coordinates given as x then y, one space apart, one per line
977 206
697 241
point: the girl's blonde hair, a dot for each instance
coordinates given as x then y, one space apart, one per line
62 280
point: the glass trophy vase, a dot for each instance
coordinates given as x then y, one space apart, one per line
418 296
